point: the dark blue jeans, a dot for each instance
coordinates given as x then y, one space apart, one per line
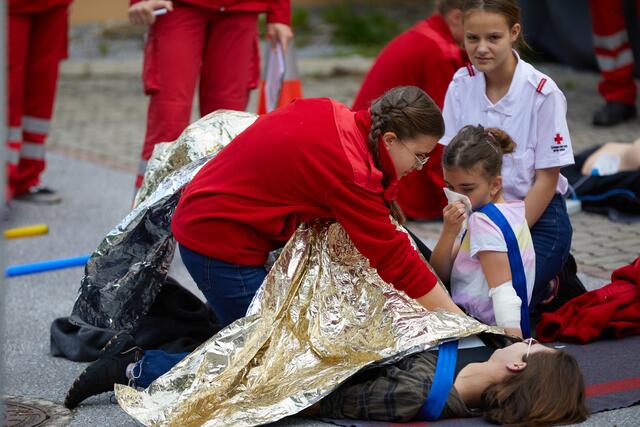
228 288
552 241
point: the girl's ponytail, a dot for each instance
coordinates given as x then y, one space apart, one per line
502 140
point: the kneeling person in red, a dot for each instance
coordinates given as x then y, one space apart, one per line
427 56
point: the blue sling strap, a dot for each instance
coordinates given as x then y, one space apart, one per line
442 382
518 278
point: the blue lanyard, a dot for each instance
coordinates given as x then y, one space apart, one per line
518 278
442 382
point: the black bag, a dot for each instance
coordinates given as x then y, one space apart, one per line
177 322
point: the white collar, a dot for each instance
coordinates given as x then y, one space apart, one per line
505 104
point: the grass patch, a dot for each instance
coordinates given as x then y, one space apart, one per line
358 27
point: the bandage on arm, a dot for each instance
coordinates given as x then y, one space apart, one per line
506 305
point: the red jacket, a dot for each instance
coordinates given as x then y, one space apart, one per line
34 6
611 311
425 56
304 161
278 11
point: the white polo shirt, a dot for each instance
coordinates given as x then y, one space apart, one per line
533 113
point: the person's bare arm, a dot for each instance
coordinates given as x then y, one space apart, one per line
438 298
543 190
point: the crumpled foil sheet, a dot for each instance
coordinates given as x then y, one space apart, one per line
323 314
124 274
202 138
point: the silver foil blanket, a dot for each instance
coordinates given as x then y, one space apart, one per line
322 314
124 274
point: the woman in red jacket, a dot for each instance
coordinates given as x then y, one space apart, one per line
314 158
210 42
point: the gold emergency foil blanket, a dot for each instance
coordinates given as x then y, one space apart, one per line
203 137
322 314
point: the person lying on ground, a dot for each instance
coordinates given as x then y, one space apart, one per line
606 178
523 384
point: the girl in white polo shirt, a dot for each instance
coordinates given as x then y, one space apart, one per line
503 91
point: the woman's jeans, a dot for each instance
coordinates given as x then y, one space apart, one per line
552 241
228 288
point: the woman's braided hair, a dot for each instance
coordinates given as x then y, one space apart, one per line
408 112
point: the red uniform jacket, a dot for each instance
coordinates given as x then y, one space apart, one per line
425 56
278 11
611 311
34 6
303 161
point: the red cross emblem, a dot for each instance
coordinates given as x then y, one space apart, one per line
558 139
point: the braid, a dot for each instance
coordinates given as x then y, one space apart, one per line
377 129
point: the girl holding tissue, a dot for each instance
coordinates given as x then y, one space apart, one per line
479 265
501 90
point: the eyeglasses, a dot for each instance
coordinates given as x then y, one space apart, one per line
421 159
530 341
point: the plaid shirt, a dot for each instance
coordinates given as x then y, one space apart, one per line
390 393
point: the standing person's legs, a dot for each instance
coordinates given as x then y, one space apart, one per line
172 63
615 60
551 236
19 31
47 47
231 62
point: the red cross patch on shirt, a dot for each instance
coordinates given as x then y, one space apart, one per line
558 147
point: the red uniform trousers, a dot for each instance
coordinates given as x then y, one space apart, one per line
190 43
613 52
37 43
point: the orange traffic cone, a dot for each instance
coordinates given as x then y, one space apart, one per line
280 83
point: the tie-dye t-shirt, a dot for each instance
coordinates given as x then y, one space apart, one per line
469 287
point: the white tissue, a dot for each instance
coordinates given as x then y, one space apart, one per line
453 197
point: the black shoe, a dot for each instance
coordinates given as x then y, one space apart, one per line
40 195
613 113
108 370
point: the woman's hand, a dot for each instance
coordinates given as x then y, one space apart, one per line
142 13
279 33
453 216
